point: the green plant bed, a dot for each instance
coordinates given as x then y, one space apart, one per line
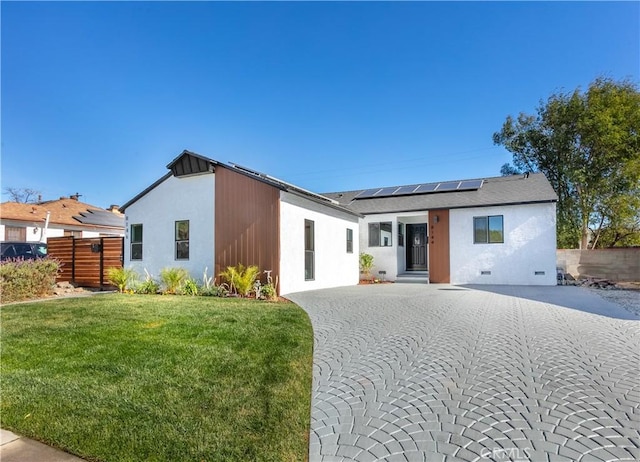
129 377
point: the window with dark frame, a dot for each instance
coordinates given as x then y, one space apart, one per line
182 240
136 242
309 249
488 230
349 240
380 234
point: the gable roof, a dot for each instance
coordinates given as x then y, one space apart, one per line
63 211
190 163
503 190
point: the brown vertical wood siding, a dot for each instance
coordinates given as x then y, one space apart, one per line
80 264
247 222
439 270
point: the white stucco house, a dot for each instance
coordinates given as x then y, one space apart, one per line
499 230
207 214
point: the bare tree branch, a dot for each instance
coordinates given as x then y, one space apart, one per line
22 195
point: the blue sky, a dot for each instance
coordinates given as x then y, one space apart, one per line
98 97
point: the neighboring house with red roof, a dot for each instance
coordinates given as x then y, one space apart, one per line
67 216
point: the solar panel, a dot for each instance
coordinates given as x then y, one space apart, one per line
471 184
449 186
384 192
428 187
464 185
100 218
403 190
368 193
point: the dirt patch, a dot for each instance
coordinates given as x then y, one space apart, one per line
625 294
373 281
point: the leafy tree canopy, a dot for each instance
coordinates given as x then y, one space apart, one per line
588 146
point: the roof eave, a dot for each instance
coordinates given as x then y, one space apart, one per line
146 191
470 206
339 207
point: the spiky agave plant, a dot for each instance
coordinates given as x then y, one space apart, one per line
230 275
172 279
121 277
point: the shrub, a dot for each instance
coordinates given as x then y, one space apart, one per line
207 282
190 287
122 278
231 275
241 279
148 286
268 291
27 279
173 278
215 291
366 263
209 287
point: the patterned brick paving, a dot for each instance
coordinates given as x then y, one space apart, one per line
410 372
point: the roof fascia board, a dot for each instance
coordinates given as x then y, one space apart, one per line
498 204
147 190
325 203
192 154
253 177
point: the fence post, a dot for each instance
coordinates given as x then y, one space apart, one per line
73 259
101 263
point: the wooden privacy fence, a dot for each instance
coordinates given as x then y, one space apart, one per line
85 261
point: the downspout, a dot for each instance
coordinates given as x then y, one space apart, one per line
43 231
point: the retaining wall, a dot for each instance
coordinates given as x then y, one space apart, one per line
617 264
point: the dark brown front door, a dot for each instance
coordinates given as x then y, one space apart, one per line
417 247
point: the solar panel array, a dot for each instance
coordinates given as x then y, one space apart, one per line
289 186
449 186
100 218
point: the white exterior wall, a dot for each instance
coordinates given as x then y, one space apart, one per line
51 232
186 198
334 267
33 233
529 246
384 258
390 259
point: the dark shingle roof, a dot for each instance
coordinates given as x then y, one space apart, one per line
503 190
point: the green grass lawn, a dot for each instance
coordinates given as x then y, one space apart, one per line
161 378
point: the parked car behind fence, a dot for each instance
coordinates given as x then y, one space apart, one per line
24 250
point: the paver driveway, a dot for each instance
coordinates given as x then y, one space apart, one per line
435 372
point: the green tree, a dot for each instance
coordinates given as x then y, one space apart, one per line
508 170
588 146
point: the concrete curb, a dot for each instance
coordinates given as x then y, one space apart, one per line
15 448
